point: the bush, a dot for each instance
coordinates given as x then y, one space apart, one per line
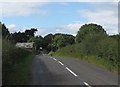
95 48
11 57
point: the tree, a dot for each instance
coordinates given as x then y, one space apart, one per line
23 36
38 42
5 32
62 40
89 43
47 41
88 29
107 48
19 37
31 32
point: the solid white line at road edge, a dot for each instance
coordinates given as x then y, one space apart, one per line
86 84
71 72
60 63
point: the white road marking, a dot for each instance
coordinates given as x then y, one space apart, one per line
86 84
55 59
71 72
60 63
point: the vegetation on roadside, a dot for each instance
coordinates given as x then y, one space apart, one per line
91 44
95 46
16 63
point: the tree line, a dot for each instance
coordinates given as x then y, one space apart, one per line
50 42
92 40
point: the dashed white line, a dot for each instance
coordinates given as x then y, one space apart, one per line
55 59
86 84
60 63
71 72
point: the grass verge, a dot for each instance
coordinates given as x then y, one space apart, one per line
74 52
21 73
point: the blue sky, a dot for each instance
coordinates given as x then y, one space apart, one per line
58 17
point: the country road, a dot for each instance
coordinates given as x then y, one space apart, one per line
48 70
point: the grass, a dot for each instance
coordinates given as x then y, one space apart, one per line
21 73
75 52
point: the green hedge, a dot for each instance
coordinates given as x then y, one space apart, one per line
13 60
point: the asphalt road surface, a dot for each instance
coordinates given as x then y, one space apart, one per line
48 70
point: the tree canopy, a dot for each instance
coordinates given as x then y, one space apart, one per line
89 29
5 31
62 40
23 36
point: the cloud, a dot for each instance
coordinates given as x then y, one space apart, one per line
41 32
12 28
24 0
97 0
15 28
22 8
103 14
69 28
60 0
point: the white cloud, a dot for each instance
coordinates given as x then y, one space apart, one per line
103 14
22 8
40 32
59 0
97 0
24 0
69 29
15 28
12 28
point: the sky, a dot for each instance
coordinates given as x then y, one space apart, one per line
58 17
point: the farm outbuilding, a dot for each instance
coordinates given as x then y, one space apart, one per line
27 45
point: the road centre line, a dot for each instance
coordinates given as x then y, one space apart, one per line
86 84
71 72
67 68
60 63
55 59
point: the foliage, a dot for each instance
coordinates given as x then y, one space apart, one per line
94 46
62 40
5 32
38 42
107 48
47 41
30 33
89 43
88 29
11 58
23 36
76 51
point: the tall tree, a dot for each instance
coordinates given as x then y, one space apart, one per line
5 32
38 42
89 29
62 40
31 32
24 36
47 41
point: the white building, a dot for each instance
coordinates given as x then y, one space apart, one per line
28 45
